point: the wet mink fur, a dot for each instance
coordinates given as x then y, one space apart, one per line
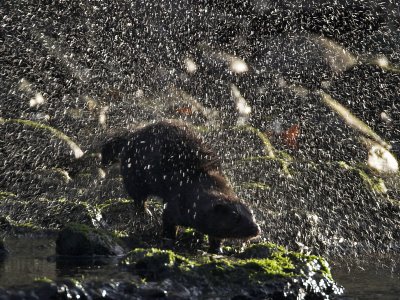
166 159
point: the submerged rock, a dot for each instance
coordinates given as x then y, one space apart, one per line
80 240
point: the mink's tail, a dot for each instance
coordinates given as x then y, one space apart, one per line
111 150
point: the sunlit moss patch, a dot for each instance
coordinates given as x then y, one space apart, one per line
375 183
257 265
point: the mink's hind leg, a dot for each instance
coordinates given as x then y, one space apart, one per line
138 193
215 245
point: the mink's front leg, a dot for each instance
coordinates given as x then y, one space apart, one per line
215 245
169 228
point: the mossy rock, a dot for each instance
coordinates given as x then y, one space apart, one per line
5 195
81 240
261 251
155 263
262 270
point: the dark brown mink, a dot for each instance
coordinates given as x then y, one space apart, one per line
167 159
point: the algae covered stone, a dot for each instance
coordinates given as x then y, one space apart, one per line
262 270
78 239
155 263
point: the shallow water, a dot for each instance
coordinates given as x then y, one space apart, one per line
33 258
369 278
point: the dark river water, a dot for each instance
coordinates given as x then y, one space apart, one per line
33 258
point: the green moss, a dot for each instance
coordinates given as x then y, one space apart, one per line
27 225
276 260
153 263
375 183
284 155
121 233
20 227
266 260
114 201
156 257
4 195
250 271
43 280
24 227
343 165
164 257
257 264
267 144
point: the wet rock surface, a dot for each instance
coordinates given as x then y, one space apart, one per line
81 240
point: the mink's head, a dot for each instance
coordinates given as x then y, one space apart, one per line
228 218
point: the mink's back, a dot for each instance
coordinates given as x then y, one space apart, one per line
173 145
164 155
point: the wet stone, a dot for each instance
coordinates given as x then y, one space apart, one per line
81 240
261 271
5 224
